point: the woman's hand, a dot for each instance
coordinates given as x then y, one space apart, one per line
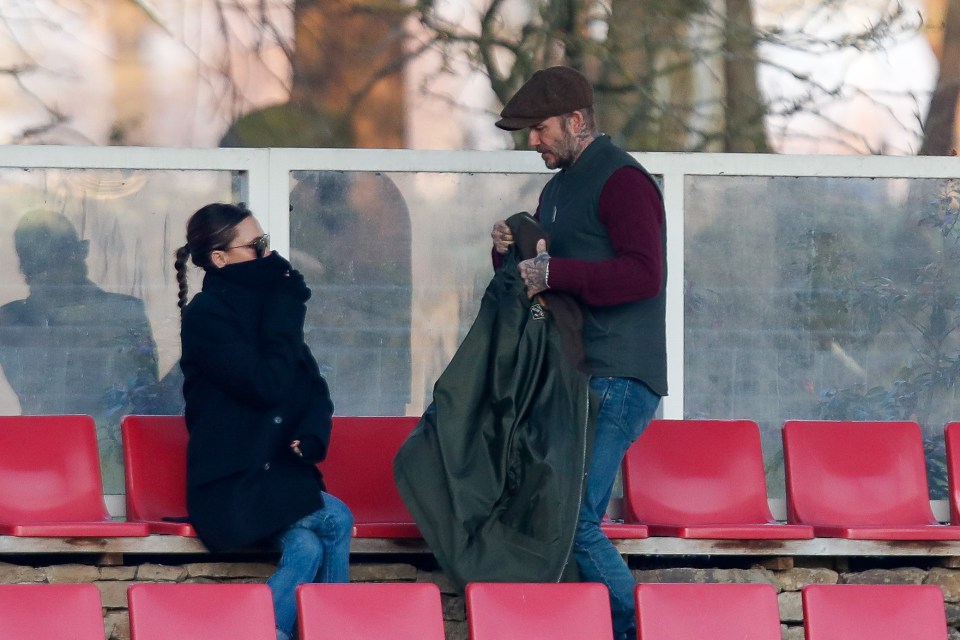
292 284
309 448
295 447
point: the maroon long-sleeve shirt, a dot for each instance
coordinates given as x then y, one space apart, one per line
632 212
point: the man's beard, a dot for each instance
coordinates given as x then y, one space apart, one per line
564 154
560 160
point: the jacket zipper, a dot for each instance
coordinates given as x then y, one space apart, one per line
583 466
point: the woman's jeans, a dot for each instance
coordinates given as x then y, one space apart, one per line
626 407
315 548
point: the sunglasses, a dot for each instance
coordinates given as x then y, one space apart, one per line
261 245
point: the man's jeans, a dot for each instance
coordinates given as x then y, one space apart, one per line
626 407
315 548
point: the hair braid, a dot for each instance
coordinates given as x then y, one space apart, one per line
180 264
210 228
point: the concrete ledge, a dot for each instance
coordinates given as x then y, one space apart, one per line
837 547
148 544
164 544
815 547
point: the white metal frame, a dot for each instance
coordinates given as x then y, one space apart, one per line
265 187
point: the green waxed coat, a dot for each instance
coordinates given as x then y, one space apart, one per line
494 471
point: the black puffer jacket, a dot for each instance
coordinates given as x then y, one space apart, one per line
251 386
495 469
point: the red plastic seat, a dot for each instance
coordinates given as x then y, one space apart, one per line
626 530
951 436
538 611
359 471
370 611
50 482
860 480
51 612
155 471
707 611
874 612
181 611
702 479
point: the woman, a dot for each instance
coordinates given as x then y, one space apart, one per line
258 411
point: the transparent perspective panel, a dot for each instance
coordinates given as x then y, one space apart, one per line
823 298
88 299
397 264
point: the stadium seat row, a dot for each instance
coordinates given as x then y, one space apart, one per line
495 611
682 478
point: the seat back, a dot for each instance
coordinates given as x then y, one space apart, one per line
951 437
855 473
874 612
155 466
714 611
51 612
50 470
559 611
359 467
370 611
181 611
696 472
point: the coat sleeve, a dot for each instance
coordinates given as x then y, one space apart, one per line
315 428
255 364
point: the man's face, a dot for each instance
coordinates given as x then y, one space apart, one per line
555 142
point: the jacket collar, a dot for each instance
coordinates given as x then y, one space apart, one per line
595 148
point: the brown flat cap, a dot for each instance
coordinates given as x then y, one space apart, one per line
549 92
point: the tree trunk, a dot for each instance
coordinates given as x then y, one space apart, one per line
346 63
744 107
650 94
939 131
131 100
620 90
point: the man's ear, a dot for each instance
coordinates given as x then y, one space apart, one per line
576 121
217 258
83 249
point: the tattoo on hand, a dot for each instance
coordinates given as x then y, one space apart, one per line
534 273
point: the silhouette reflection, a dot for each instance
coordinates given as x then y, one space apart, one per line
350 235
70 346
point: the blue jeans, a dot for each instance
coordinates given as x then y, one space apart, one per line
315 548
626 407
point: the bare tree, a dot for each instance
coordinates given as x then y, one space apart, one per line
682 75
26 24
669 76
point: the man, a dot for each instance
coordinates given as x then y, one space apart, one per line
604 217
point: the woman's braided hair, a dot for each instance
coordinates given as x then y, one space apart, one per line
210 228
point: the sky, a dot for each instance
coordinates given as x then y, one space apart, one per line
888 89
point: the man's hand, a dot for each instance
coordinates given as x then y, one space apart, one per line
502 236
536 270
